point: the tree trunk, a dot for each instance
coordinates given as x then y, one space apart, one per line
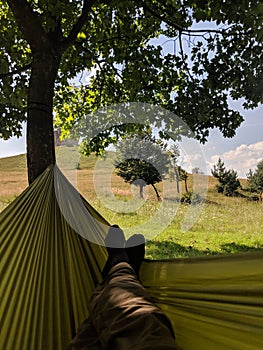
177 186
186 188
177 178
141 190
157 193
40 137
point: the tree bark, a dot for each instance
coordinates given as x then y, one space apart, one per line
141 190
157 193
177 179
47 49
177 185
186 187
40 137
46 57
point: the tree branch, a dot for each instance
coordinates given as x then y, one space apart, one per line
16 71
117 37
27 19
87 5
175 26
182 54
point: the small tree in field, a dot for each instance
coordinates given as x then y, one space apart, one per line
219 172
142 162
173 153
183 177
231 183
197 170
228 181
255 180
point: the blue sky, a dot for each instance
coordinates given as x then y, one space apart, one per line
245 149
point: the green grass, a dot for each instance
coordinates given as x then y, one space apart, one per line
224 225
232 226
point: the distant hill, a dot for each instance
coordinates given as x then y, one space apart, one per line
15 163
69 155
13 172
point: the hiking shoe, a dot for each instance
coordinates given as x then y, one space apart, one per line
115 243
135 248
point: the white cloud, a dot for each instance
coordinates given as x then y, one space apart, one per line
241 159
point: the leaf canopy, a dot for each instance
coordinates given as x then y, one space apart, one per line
187 57
141 158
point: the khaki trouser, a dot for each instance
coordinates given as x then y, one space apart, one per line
123 317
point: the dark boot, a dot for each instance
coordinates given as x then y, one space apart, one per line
135 248
114 242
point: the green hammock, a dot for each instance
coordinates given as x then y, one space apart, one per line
48 272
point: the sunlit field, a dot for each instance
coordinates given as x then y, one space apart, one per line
222 225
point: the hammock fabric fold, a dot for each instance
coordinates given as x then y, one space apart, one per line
52 258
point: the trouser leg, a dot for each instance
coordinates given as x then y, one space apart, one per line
86 338
125 317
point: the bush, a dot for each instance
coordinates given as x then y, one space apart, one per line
228 181
255 180
191 198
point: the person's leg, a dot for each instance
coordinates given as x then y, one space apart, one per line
124 315
135 248
115 243
86 338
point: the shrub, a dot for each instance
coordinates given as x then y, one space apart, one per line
228 181
191 198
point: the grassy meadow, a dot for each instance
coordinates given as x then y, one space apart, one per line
222 225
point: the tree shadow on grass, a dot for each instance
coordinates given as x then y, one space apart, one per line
233 247
170 250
